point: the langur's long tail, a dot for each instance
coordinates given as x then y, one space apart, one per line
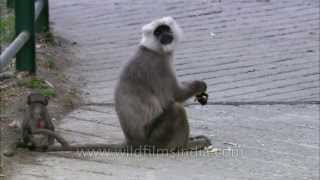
198 143
195 143
93 147
47 132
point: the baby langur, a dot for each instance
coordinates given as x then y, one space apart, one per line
36 117
38 122
148 96
37 128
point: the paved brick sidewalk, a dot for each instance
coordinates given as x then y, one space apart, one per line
262 51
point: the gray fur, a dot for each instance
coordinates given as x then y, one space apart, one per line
36 111
148 96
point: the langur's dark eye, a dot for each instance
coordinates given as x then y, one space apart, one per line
157 33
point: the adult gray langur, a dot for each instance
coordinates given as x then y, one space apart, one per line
148 96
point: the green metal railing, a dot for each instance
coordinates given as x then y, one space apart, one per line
30 16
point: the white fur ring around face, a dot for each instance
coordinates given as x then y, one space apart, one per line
149 40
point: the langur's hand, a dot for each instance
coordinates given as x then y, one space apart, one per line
202 98
199 87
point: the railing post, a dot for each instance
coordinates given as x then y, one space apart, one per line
10 4
24 13
42 23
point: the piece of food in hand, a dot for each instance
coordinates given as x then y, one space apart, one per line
202 98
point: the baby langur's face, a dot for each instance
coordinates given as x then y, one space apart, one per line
37 112
164 34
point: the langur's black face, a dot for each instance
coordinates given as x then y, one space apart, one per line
164 34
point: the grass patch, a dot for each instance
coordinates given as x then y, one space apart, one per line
38 85
49 92
7 28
